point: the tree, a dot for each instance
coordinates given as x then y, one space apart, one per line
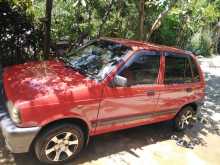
47 22
20 39
217 38
187 24
105 17
141 19
160 17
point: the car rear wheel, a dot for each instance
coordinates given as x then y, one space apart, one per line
59 144
185 118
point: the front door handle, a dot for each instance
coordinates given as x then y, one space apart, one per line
189 89
150 93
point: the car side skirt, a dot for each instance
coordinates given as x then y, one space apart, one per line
124 122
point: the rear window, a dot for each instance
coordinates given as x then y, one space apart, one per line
177 69
196 76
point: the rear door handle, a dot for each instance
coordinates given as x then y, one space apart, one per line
150 93
189 89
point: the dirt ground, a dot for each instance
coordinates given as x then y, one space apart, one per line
152 144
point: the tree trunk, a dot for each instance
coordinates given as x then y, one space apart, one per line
49 4
141 19
157 22
216 38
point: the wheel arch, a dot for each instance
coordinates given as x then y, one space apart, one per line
77 121
194 105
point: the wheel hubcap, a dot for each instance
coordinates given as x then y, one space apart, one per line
186 119
61 146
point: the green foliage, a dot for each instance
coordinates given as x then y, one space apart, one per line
167 33
201 43
190 24
19 38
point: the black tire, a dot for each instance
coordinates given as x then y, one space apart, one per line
180 123
55 138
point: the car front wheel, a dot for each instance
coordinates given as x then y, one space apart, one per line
59 144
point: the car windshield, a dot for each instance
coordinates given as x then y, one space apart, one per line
96 59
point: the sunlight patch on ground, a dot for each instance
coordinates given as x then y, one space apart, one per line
161 153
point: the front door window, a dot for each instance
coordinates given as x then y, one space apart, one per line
143 68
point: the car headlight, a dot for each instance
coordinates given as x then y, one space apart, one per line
13 112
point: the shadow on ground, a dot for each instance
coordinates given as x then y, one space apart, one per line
107 144
112 143
139 137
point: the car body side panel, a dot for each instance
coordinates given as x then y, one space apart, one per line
175 96
82 104
124 107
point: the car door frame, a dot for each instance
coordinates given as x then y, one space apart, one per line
165 88
110 78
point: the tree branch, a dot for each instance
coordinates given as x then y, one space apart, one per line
157 22
104 19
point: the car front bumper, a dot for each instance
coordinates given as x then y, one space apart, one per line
18 140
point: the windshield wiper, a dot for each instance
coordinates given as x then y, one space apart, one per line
69 64
66 61
81 71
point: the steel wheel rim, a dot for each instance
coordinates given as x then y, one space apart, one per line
62 146
186 119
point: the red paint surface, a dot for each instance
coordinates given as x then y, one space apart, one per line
48 91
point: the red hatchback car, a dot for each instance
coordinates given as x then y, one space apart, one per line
53 107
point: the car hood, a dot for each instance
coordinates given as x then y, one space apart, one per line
37 81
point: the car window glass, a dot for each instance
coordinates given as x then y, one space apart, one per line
143 68
96 59
196 76
177 69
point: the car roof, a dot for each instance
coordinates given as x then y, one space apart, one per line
140 45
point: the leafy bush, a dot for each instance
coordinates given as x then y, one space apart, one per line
201 43
188 25
19 38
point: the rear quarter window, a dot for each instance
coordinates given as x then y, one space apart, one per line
177 69
196 76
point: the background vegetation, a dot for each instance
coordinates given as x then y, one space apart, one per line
189 24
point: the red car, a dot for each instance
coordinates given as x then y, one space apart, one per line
53 107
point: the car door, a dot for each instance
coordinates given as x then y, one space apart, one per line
177 84
197 94
123 107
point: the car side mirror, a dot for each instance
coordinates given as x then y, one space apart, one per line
119 81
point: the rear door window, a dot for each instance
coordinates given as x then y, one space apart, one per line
177 69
